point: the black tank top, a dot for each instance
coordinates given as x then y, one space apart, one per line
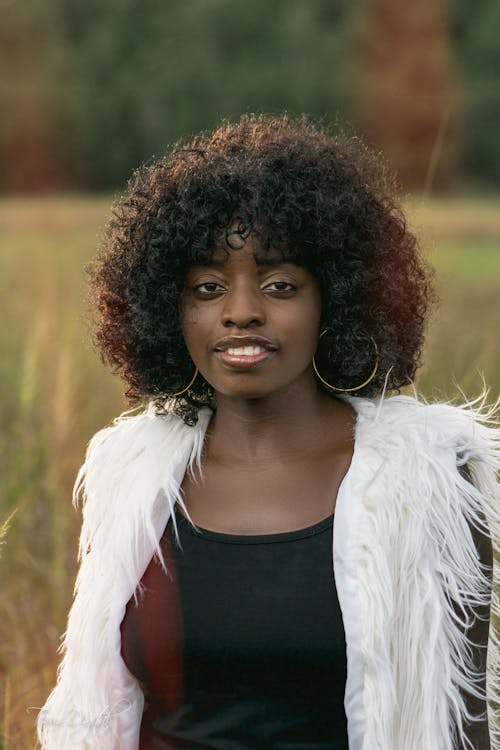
241 646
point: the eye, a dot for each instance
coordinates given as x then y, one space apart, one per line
280 287
208 289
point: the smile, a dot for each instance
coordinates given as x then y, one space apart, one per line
244 352
243 357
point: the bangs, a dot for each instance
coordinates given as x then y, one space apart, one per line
232 234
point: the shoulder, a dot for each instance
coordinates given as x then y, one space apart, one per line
130 436
442 460
469 429
443 454
128 427
134 457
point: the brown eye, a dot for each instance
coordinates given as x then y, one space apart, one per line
208 289
280 287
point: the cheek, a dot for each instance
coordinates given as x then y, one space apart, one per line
302 334
189 313
197 324
309 335
309 319
189 324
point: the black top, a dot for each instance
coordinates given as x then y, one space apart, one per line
242 646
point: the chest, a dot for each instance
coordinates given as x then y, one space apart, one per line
242 639
265 497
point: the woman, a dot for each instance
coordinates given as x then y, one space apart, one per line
260 290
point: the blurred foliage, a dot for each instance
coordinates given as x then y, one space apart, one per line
477 59
161 70
145 73
92 89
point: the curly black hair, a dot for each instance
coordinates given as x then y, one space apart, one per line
323 201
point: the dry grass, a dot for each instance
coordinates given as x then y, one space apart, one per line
55 394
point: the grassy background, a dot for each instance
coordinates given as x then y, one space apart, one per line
55 394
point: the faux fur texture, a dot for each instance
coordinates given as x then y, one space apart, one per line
418 573
410 575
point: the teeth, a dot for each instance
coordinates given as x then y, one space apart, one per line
246 351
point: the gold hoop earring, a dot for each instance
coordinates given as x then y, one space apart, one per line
356 388
178 393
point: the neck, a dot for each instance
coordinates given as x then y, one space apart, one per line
295 421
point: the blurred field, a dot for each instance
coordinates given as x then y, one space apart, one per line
55 394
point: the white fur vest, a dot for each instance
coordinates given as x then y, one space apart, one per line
405 563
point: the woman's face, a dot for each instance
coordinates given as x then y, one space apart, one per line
250 321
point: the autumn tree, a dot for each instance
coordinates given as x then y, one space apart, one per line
405 97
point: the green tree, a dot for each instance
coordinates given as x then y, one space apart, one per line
148 72
477 55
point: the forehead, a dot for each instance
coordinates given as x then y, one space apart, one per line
245 248
244 257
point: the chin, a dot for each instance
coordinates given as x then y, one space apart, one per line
251 391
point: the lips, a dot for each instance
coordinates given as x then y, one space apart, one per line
243 352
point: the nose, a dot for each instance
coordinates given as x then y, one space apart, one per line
244 306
